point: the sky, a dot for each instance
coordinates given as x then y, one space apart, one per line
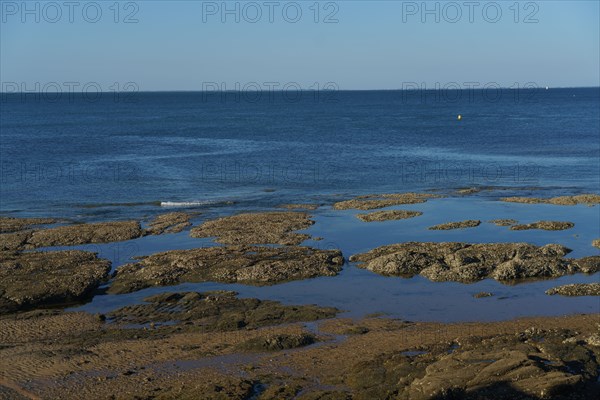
160 45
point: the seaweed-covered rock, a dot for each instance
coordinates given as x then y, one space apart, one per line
545 225
10 224
71 235
504 366
38 279
278 342
390 215
576 289
257 228
252 265
504 222
216 311
456 225
464 262
588 199
169 223
373 201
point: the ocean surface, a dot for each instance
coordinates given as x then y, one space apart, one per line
91 156
221 153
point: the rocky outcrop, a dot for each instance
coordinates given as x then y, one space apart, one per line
576 289
373 201
464 262
216 311
257 228
504 222
588 199
456 225
169 223
71 235
10 224
251 265
390 215
545 225
40 279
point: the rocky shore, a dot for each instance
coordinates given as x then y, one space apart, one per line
229 348
252 265
373 201
456 225
391 215
465 262
182 343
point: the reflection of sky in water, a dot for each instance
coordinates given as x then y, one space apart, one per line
360 292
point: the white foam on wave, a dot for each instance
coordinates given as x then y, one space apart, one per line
184 203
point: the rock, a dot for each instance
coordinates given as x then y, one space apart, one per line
463 262
596 243
576 289
169 223
370 202
499 367
482 294
10 224
545 225
593 340
278 342
299 206
504 222
588 199
40 279
388 215
456 225
469 190
219 311
588 265
235 264
14 241
257 228
71 235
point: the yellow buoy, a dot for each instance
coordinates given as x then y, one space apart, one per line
459 117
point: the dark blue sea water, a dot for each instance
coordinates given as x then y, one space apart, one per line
61 152
225 152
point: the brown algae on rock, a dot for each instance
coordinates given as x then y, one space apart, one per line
173 222
216 311
373 201
576 289
544 225
464 262
589 199
471 223
11 224
504 222
252 265
71 235
257 228
40 279
388 215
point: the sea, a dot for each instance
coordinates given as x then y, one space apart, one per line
119 156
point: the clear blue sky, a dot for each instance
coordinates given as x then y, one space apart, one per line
374 45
